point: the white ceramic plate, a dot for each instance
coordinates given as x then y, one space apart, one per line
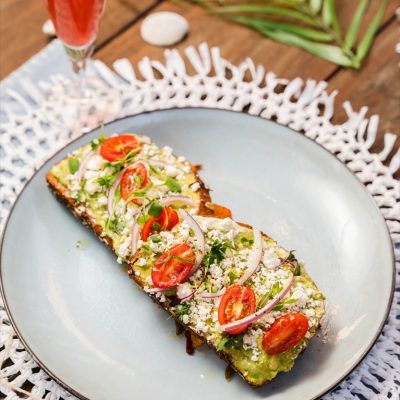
96 333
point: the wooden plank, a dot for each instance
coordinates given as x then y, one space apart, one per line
21 27
377 86
236 42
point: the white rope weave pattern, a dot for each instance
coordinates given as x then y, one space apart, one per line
33 128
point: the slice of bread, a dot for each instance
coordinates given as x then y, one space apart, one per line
228 252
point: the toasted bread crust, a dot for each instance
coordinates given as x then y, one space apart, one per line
206 208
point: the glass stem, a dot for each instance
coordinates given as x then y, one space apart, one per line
79 57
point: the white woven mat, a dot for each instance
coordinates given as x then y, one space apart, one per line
33 128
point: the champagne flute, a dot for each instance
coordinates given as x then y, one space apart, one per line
77 23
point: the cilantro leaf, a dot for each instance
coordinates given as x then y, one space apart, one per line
96 143
155 209
222 343
143 219
73 165
155 238
216 253
173 185
182 309
275 289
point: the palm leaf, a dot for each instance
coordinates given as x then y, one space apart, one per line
271 10
326 51
260 24
366 41
352 32
329 15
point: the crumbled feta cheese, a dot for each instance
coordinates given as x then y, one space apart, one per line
171 170
95 163
195 186
142 262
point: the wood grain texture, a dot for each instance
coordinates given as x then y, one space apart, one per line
21 23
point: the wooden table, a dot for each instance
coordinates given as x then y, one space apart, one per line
377 85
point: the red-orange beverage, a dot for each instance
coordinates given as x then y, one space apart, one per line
76 21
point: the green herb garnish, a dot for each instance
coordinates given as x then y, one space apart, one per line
73 165
232 276
155 209
155 238
275 289
96 143
216 253
230 341
282 303
143 219
156 226
182 309
173 185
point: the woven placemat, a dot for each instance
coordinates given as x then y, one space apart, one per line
34 127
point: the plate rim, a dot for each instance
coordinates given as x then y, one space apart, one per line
80 396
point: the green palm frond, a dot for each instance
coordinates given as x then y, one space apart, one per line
311 25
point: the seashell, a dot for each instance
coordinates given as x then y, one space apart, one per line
164 28
48 28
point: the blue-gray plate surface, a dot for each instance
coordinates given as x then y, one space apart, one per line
93 330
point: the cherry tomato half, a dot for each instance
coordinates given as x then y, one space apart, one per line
167 219
133 178
285 333
173 266
117 147
237 303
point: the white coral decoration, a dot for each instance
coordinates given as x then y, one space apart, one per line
34 128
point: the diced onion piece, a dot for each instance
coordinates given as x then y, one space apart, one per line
198 233
185 200
255 258
260 313
83 163
110 195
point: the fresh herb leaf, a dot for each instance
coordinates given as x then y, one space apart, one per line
291 256
230 341
138 180
96 143
232 276
115 225
73 165
216 253
246 241
222 343
143 219
156 226
182 309
173 185
275 289
297 269
283 303
146 247
155 209
155 238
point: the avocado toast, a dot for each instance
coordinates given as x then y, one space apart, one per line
227 284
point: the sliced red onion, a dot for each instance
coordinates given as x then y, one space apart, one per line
255 259
83 163
135 236
110 195
186 200
260 313
198 234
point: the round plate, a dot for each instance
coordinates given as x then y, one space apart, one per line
97 334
